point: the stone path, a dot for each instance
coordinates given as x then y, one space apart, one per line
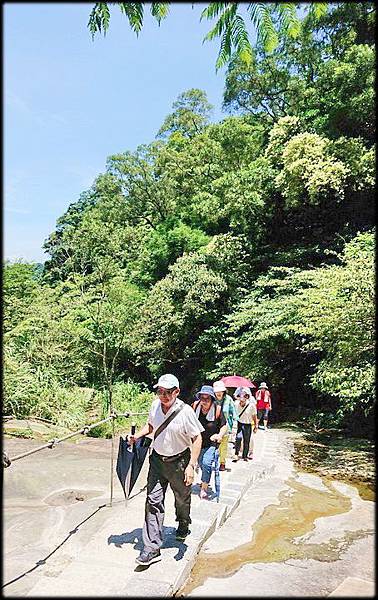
98 559
100 543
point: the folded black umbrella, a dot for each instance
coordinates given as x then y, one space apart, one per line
130 462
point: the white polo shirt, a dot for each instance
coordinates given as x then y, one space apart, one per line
177 436
248 413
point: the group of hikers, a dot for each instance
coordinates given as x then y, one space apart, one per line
193 437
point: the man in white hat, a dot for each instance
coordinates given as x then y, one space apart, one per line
263 404
173 459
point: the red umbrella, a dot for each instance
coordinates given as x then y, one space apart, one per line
234 381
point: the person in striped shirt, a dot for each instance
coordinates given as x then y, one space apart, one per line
247 416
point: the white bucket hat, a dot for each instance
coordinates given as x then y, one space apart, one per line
263 385
242 390
218 386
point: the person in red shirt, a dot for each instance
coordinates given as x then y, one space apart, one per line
263 404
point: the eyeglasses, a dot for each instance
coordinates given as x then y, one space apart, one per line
163 392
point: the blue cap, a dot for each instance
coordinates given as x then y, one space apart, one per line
206 389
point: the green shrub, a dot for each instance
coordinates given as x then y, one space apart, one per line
127 397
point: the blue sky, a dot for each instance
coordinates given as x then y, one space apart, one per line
69 102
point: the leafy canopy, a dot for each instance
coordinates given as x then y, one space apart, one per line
270 20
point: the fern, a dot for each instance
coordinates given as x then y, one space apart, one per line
262 20
214 9
159 10
318 9
230 27
225 50
240 39
224 27
215 32
99 18
291 24
134 13
220 26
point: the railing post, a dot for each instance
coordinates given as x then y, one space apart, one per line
112 462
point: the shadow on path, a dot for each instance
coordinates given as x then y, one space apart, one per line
135 537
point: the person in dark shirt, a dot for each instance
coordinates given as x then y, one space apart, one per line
214 423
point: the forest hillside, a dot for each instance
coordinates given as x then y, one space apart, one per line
242 246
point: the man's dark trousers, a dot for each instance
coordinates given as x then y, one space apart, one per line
244 431
159 475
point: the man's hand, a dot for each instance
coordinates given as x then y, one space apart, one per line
133 437
189 475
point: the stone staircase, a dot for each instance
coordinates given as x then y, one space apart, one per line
106 565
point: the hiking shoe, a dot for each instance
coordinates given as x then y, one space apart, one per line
182 531
222 467
147 558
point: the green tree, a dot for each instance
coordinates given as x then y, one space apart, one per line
269 20
21 282
338 320
325 75
191 112
106 309
57 244
311 329
175 316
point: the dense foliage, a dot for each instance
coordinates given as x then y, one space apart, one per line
245 246
270 20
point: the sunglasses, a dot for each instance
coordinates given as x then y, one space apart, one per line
163 392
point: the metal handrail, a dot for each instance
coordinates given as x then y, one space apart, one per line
7 461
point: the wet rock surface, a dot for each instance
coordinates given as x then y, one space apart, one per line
333 455
297 534
70 496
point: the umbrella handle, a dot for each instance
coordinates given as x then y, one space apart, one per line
133 428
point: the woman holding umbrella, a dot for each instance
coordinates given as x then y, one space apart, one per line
233 382
215 427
